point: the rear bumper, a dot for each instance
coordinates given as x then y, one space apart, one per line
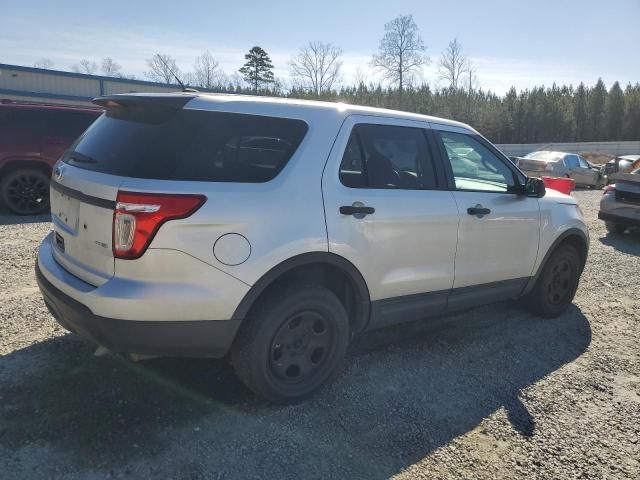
621 219
188 338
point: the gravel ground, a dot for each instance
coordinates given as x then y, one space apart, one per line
490 393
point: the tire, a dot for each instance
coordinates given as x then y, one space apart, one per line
291 343
615 227
25 191
555 288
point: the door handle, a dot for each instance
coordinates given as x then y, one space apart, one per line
356 210
478 210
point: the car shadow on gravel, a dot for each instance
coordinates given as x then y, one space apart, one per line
627 242
8 218
403 392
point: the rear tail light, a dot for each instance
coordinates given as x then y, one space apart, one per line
609 189
138 216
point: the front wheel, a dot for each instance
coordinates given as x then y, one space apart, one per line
557 284
25 191
291 343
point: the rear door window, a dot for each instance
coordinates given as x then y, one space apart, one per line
188 145
386 156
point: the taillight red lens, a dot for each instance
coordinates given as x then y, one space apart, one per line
138 216
609 189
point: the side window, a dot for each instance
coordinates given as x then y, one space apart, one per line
583 162
474 166
571 161
385 156
352 173
68 124
25 127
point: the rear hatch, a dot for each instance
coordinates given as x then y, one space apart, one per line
627 187
86 180
82 204
151 145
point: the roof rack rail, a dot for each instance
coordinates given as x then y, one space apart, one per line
11 101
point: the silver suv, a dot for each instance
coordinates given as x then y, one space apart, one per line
275 230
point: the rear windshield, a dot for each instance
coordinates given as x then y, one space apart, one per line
187 145
544 156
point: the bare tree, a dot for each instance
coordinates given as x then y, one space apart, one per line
453 64
44 62
110 68
317 66
205 71
360 77
401 51
471 78
162 68
85 66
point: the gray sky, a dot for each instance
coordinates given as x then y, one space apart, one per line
520 43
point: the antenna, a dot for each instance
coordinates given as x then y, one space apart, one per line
184 89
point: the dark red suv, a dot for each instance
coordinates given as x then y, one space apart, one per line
32 138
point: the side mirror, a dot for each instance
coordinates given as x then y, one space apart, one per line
534 187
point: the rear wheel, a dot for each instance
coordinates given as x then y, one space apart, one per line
615 227
555 288
25 191
291 343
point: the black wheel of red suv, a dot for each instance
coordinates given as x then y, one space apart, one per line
555 288
291 343
25 191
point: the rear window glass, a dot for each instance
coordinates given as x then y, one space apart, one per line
187 145
545 156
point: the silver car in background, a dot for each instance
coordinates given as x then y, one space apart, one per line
622 164
561 164
620 204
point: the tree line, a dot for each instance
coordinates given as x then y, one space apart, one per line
536 115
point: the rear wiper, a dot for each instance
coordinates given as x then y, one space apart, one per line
80 158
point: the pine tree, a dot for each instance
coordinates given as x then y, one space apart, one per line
580 113
632 112
258 69
597 104
615 112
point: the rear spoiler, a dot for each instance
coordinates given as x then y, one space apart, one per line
123 100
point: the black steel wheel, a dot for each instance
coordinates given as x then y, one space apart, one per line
301 346
25 191
291 343
557 284
561 282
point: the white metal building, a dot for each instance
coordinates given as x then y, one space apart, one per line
54 86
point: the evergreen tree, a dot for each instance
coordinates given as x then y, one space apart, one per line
597 104
632 112
615 112
258 69
580 113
